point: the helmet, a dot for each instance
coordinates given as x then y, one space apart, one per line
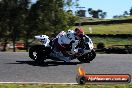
79 32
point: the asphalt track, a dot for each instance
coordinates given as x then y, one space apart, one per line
18 67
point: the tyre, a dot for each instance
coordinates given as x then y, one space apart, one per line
87 57
36 53
91 55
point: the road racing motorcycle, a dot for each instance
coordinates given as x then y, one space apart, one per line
84 50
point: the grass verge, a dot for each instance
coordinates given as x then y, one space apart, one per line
125 28
109 41
65 86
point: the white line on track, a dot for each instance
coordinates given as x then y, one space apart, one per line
33 83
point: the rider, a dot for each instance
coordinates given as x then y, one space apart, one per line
66 39
79 32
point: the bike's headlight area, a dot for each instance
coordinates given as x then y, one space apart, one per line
37 37
90 45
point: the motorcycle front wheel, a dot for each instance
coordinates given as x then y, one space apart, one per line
87 57
36 53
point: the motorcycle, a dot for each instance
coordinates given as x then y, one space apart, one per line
84 50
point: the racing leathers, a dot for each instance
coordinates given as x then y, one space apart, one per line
64 41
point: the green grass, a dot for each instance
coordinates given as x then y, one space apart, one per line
125 28
64 86
112 41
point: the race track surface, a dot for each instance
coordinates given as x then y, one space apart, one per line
18 67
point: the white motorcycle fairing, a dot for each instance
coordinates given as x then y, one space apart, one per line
84 52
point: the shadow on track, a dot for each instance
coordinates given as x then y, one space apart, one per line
45 64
